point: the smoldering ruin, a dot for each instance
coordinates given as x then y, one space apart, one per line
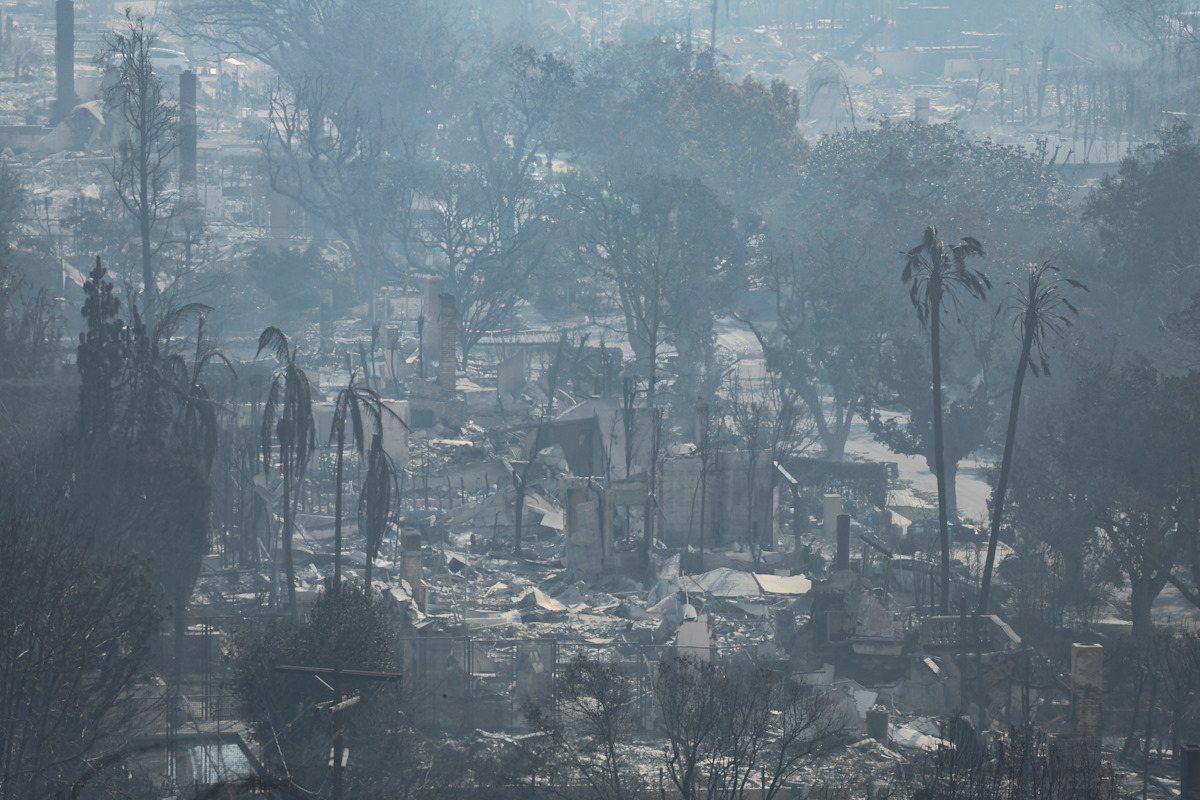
599 399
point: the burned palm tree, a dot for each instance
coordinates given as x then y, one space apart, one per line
377 504
1040 311
936 273
288 419
192 431
195 421
363 408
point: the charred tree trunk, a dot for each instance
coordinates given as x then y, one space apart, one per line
939 458
289 567
337 507
1141 601
1010 438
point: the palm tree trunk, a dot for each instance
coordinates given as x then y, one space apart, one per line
338 725
375 462
337 509
1010 438
939 457
288 567
180 636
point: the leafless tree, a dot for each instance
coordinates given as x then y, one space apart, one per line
489 236
28 319
492 219
770 424
729 728
299 38
76 624
283 34
333 158
671 254
828 357
1159 24
1025 766
588 724
141 165
354 123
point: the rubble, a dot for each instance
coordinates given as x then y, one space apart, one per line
634 546
596 577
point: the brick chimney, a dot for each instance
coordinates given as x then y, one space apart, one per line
1087 686
64 61
447 360
843 542
187 134
411 569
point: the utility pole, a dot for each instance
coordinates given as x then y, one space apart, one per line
337 706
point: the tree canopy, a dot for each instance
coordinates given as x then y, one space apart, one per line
1145 218
835 240
1115 484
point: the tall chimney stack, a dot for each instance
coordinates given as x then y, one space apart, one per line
831 507
410 567
64 60
1087 686
843 542
431 307
447 360
187 135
